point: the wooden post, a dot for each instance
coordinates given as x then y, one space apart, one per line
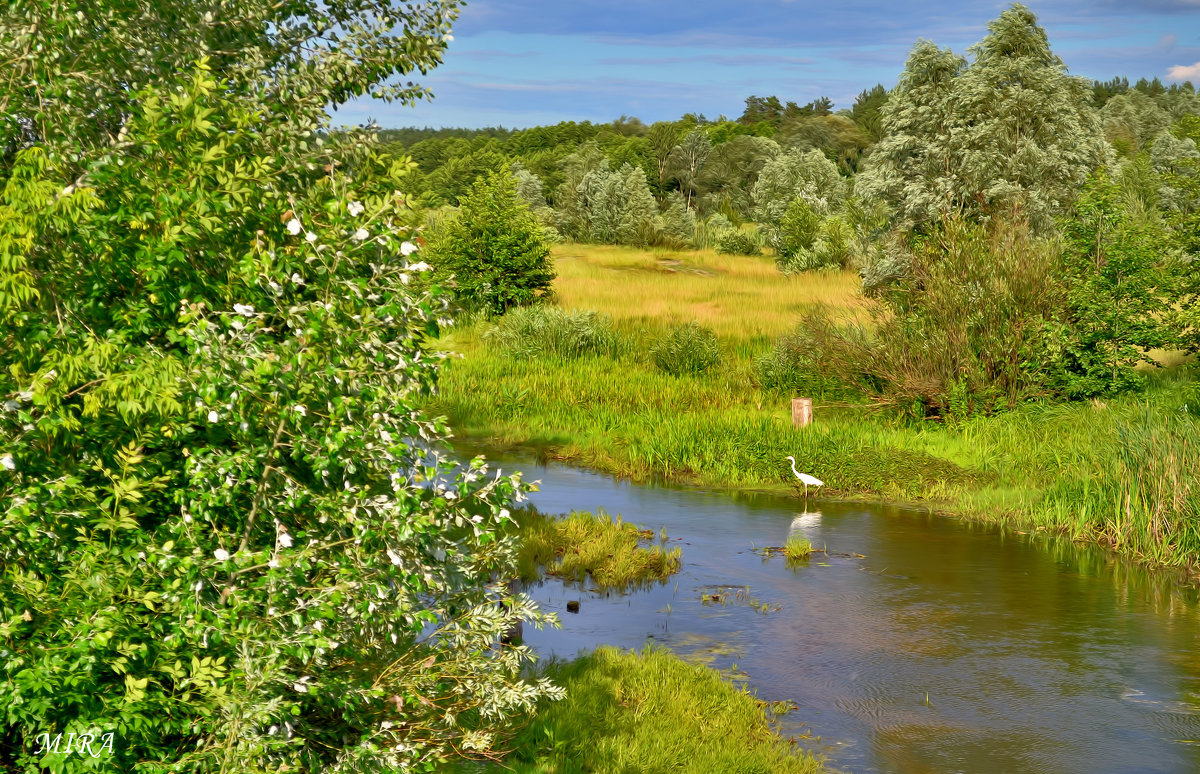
801 412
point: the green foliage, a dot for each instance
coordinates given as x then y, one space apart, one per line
598 550
76 77
797 547
651 712
797 174
797 230
548 330
794 367
1119 294
220 541
688 349
609 207
808 241
972 321
1011 132
736 241
678 222
686 163
495 250
1132 120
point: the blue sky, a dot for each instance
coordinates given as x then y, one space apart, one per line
520 63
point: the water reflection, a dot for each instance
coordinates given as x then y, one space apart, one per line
949 647
807 525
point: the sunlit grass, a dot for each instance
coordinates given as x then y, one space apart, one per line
797 547
741 298
650 713
597 549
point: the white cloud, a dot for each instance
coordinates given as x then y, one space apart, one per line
1184 72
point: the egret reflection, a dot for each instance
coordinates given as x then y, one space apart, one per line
807 524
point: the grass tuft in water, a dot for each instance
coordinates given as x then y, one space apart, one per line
584 546
797 547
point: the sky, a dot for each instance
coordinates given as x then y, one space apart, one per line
521 63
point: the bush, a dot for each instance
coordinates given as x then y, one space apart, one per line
688 349
548 330
1119 296
965 334
678 223
709 230
219 542
495 250
793 367
739 242
798 229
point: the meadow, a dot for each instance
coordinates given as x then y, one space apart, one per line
1120 472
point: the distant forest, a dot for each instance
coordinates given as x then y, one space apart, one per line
720 168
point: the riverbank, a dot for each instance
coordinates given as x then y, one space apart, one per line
650 712
1124 472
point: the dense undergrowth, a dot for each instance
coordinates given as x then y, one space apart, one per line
1119 472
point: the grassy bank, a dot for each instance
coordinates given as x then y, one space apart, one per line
594 549
653 713
1119 472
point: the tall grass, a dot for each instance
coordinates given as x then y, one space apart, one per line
741 298
546 330
651 713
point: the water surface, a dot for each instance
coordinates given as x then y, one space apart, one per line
950 647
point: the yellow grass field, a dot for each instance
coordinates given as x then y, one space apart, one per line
741 298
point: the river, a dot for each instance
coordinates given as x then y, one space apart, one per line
947 647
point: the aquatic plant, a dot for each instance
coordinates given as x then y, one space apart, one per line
592 547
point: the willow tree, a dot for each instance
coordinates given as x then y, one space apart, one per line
1009 133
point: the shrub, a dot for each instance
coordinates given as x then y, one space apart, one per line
709 230
965 334
678 223
794 367
1119 295
495 250
548 330
218 540
739 242
688 349
798 229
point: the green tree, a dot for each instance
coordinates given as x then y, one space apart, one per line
806 174
867 111
1011 133
1132 120
222 541
686 163
495 249
73 76
1120 294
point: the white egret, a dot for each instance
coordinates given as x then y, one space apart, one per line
806 479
